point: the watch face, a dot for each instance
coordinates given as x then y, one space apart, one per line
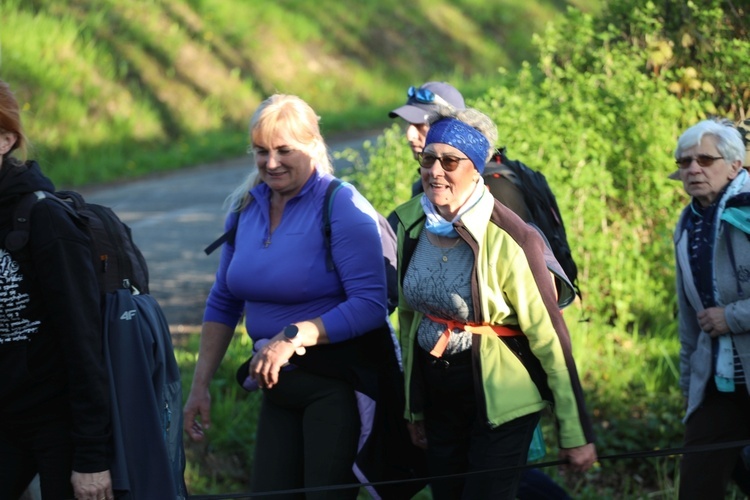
291 331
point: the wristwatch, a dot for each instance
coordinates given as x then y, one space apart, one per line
291 333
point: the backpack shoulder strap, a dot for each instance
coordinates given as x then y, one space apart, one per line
18 237
331 190
229 236
493 165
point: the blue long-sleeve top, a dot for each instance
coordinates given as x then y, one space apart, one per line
281 277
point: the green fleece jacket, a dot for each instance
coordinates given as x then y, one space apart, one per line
511 285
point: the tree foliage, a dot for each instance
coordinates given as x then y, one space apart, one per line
702 45
599 115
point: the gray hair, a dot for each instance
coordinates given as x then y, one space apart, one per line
728 139
471 117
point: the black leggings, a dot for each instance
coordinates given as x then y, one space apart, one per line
307 436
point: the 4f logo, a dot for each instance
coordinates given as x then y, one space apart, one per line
128 315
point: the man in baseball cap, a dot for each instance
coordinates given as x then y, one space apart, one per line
420 102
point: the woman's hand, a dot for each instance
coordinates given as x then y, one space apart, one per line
198 405
417 434
215 338
579 459
92 486
268 361
713 322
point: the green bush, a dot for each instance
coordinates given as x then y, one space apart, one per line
595 119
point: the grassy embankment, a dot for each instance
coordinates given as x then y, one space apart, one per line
116 89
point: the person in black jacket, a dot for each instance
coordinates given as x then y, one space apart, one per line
54 415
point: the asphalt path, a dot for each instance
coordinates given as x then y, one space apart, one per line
174 216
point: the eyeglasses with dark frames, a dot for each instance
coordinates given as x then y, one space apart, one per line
703 160
448 162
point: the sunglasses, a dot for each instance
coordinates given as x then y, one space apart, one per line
424 96
448 162
703 160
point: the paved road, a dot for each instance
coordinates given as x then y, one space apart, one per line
174 217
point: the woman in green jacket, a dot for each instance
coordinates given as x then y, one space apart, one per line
485 347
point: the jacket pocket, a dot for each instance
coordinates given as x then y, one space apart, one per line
510 390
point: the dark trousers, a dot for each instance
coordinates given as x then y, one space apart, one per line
26 450
722 417
460 441
307 437
536 485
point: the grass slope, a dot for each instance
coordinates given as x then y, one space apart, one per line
114 88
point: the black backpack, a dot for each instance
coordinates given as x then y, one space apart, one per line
117 260
540 203
137 349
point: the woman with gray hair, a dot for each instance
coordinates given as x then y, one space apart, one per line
485 348
712 253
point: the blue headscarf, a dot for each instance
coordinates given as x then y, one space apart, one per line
463 137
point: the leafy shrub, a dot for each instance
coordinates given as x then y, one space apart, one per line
594 117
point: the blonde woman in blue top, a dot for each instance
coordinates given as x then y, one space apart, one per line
275 272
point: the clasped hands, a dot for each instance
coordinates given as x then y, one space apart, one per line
713 322
268 361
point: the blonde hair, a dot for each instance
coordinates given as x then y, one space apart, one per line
288 116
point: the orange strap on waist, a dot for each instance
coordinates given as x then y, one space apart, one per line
450 325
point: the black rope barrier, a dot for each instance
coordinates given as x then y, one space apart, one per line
665 452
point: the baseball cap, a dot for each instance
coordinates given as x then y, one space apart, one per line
421 101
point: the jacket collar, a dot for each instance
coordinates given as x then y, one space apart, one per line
412 217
